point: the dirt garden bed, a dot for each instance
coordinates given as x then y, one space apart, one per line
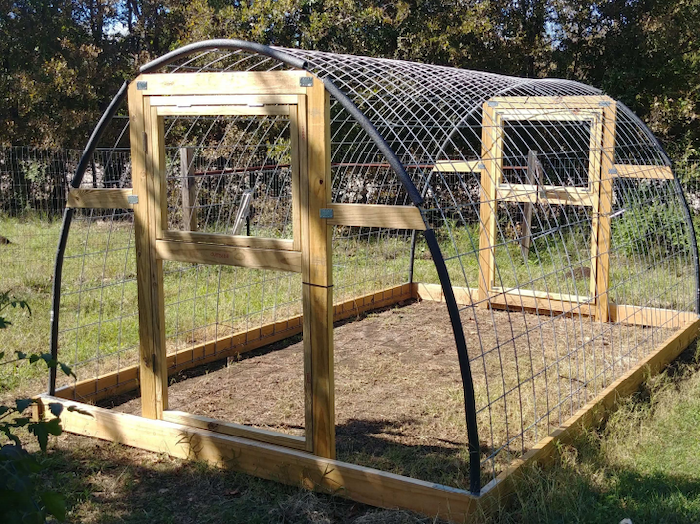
398 388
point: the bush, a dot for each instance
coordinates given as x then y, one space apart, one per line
22 498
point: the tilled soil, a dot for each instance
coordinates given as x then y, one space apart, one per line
398 387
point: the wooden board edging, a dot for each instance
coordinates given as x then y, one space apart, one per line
227 255
359 483
593 413
235 430
288 466
559 304
127 379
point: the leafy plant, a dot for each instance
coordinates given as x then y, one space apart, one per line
22 498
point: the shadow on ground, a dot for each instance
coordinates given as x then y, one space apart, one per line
107 483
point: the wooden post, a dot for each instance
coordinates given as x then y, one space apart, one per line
147 164
317 276
602 209
189 189
533 177
492 158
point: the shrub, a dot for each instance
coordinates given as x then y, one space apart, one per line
22 497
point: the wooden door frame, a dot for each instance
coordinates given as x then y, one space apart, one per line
598 109
153 96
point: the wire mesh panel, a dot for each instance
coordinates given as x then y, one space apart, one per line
566 240
235 180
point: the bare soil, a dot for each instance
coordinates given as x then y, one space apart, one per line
398 387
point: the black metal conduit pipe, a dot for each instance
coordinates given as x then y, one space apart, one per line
681 194
85 159
397 166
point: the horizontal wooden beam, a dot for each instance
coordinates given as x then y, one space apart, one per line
126 379
223 83
543 294
457 166
463 295
288 466
223 100
512 300
196 253
374 215
549 114
650 316
593 102
594 412
644 171
99 198
235 430
223 110
215 239
553 195
558 303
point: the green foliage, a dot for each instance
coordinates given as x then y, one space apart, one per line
61 61
22 497
657 229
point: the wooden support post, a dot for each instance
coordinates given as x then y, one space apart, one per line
147 164
490 177
602 209
189 189
533 177
317 292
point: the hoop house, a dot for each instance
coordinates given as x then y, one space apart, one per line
533 227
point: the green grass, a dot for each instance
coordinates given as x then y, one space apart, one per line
645 465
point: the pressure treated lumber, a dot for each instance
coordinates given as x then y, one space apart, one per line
243 101
235 430
297 137
317 276
223 83
458 166
492 158
567 103
643 172
198 253
556 303
601 223
126 379
650 316
375 215
358 483
153 369
289 466
223 110
216 239
99 198
548 195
